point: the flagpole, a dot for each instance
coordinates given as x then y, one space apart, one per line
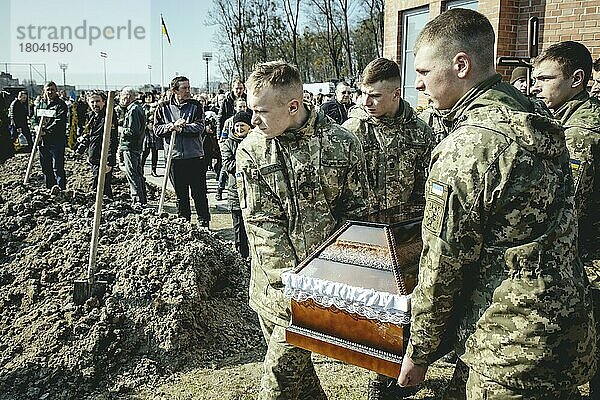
162 60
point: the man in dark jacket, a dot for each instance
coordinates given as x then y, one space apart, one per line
19 114
95 129
337 108
227 109
7 149
54 140
131 140
185 117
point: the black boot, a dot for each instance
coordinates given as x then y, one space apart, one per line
388 390
219 194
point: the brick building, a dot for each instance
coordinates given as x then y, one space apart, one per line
560 20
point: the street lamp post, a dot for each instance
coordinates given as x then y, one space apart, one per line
104 55
64 68
150 73
207 56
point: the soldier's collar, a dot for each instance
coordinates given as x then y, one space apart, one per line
468 98
305 130
403 114
565 111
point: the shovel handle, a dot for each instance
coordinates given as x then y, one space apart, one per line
110 105
38 136
161 203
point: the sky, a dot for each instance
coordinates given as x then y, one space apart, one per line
74 32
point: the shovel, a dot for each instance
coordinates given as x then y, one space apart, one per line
85 289
175 115
44 114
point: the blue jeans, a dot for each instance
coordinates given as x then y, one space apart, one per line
134 171
52 160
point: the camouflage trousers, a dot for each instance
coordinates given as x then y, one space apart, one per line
480 387
457 387
595 380
288 371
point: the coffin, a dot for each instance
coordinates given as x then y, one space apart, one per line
350 299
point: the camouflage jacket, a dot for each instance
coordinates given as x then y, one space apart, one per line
500 247
397 152
580 117
295 190
435 119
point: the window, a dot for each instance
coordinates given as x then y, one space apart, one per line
413 21
468 4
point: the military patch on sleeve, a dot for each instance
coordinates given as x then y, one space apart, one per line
241 185
576 170
269 169
435 206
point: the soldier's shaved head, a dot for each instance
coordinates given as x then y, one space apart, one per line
275 98
460 30
279 75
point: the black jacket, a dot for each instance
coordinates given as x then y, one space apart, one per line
95 130
227 109
19 112
336 110
55 129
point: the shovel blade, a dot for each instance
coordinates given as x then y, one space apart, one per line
83 290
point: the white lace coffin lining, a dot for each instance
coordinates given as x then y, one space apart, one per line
368 303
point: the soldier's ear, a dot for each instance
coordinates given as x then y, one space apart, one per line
578 76
462 64
294 106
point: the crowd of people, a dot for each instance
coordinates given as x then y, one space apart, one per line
506 176
510 187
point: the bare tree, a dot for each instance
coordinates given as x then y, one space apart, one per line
346 34
292 13
326 9
231 19
374 22
266 30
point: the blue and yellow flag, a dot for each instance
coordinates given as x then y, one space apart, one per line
164 29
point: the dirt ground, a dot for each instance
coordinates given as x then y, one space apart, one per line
174 324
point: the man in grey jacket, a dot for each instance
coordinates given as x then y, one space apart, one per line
130 143
185 116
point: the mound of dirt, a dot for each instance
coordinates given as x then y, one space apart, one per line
176 297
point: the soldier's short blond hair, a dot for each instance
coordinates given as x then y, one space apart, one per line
278 75
460 30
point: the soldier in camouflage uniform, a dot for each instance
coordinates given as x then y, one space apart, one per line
562 72
299 176
500 232
595 90
397 147
456 388
434 118
396 143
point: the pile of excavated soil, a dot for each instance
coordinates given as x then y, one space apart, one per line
176 296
